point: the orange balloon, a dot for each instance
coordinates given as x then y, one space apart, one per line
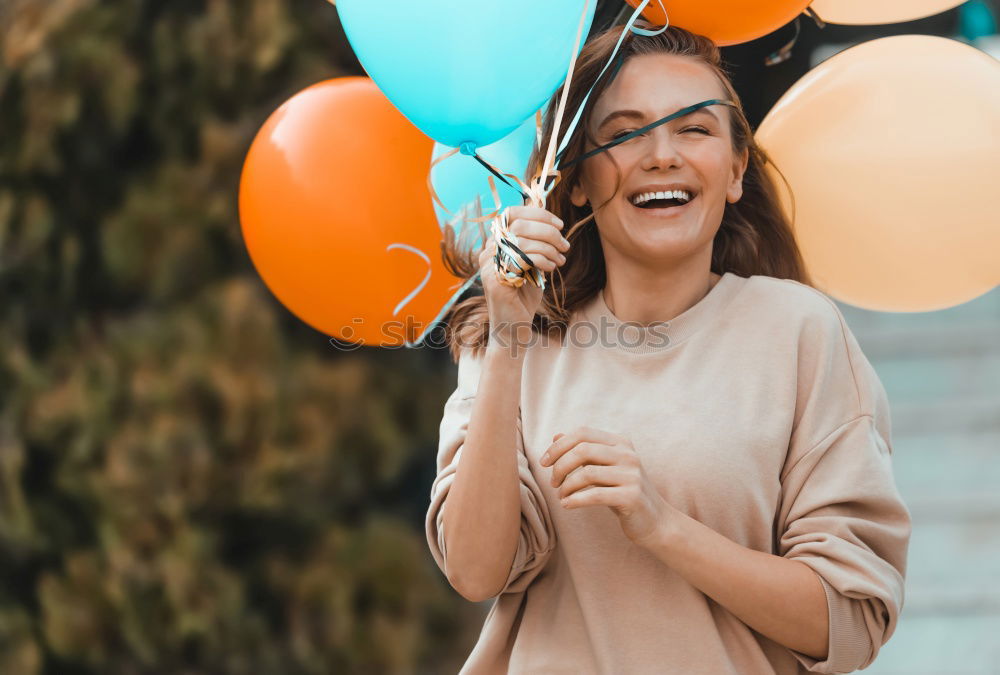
337 217
892 151
862 12
726 22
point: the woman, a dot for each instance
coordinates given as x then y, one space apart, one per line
675 458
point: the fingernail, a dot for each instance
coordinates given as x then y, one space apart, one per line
562 258
565 241
545 459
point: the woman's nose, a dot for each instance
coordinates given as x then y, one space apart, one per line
661 150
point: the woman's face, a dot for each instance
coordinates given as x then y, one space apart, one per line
693 152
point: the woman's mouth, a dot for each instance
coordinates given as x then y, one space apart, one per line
663 204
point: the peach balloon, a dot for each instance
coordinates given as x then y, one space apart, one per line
726 22
892 151
337 217
862 12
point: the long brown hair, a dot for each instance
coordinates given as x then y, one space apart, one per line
754 237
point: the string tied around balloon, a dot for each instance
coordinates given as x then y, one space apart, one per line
785 52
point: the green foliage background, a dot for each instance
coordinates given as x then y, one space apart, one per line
191 480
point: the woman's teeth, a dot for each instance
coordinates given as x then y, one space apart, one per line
680 195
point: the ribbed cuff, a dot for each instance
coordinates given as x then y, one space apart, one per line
850 642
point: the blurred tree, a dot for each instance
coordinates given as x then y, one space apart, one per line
191 480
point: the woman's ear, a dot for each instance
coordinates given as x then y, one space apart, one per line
735 190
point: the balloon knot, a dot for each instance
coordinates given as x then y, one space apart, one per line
468 148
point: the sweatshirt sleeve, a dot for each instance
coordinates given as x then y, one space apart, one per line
840 511
536 539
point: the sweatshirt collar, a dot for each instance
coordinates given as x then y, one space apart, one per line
613 333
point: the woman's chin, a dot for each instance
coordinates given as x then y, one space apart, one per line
669 239
672 232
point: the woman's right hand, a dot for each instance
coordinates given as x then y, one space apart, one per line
539 236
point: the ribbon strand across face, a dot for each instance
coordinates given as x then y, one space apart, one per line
649 127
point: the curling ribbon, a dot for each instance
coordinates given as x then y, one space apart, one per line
508 267
512 265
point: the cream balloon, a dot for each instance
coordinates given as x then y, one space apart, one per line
862 12
892 151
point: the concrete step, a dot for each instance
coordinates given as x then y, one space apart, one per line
862 321
972 338
942 644
944 377
975 414
954 564
951 613
939 472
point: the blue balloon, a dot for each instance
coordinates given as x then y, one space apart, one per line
460 179
976 20
465 71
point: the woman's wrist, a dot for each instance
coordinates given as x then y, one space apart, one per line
668 531
513 339
503 349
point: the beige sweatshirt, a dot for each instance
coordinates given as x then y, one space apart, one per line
754 412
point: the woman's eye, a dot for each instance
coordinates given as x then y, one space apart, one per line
620 134
701 129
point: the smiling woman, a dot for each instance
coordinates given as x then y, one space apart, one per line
734 219
696 477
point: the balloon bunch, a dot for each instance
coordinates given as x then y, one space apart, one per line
348 188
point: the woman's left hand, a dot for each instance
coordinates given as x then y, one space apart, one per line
607 465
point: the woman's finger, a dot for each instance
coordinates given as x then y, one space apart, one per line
548 250
534 213
541 261
613 497
592 475
541 231
582 453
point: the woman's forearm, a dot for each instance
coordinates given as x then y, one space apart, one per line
780 598
482 512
